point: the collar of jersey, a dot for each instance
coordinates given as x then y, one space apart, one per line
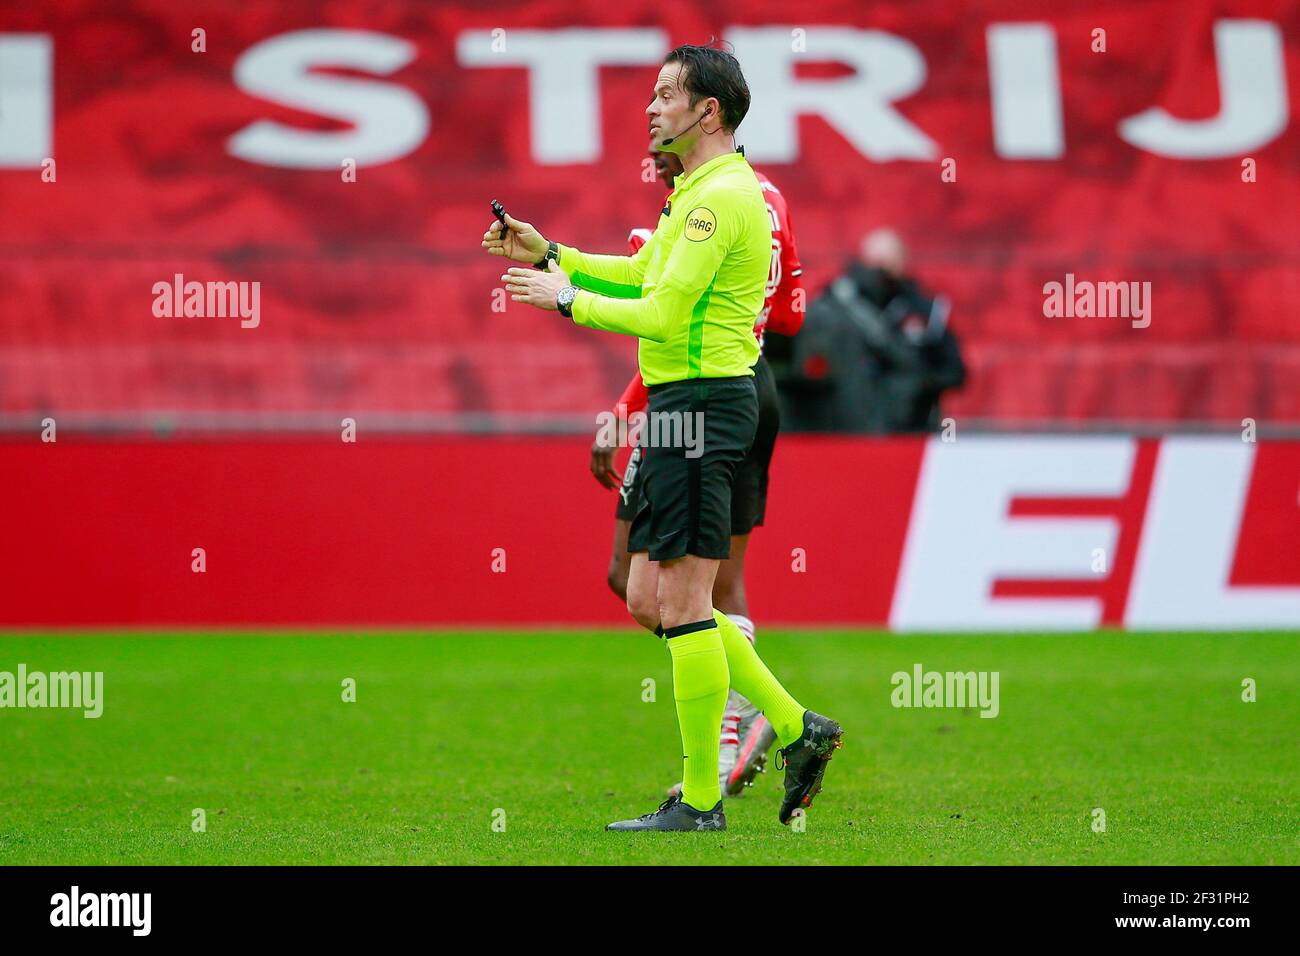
685 182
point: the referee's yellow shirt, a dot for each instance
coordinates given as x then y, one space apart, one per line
691 293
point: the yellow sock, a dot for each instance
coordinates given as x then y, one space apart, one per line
700 683
750 677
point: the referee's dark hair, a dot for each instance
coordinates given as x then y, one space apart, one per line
707 71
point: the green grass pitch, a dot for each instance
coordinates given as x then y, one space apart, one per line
547 732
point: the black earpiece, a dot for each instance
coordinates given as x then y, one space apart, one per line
708 111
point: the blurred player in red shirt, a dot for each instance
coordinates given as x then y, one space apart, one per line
746 734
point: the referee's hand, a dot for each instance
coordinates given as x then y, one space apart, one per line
536 287
522 243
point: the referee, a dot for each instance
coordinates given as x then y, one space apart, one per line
690 295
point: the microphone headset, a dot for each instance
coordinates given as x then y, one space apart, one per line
670 139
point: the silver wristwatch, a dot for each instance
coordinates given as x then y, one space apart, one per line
564 300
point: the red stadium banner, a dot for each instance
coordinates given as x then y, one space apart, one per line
989 534
332 164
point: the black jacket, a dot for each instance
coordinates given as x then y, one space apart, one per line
887 354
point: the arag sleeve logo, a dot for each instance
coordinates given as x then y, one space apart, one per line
700 224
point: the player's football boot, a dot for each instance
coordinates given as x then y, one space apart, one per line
756 739
675 816
805 762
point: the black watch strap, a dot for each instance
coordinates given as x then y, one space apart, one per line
552 252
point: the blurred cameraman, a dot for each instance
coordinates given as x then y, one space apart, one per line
876 353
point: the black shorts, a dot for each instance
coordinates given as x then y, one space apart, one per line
749 488
698 433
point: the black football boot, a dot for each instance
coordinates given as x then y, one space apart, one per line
805 762
674 815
